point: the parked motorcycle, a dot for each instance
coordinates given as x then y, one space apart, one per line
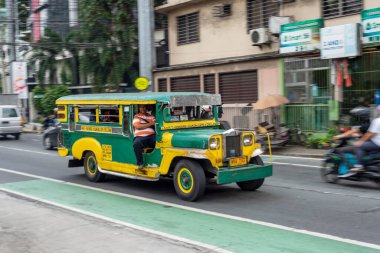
337 164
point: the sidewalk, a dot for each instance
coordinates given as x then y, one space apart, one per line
32 128
301 151
32 226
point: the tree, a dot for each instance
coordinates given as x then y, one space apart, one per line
108 33
51 95
38 94
45 53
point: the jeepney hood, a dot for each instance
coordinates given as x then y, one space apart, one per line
194 138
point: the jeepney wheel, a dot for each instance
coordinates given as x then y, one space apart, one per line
189 180
252 185
91 168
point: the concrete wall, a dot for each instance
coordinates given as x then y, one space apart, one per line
224 37
268 74
220 37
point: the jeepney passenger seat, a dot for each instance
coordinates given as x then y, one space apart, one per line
148 150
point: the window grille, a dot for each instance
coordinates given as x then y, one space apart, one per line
338 8
222 10
307 80
209 83
162 85
186 83
238 87
259 12
188 28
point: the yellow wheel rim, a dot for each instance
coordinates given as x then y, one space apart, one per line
185 180
91 166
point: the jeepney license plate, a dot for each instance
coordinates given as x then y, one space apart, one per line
238 161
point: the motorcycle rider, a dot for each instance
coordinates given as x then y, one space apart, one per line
370 141
363 113
50 120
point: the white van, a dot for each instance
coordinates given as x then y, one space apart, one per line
11 122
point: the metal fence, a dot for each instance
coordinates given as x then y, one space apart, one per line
247 117
313 117
308 117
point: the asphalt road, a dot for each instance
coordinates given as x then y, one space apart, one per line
294 197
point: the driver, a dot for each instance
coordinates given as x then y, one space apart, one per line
145 136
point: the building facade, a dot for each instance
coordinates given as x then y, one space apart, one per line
242 50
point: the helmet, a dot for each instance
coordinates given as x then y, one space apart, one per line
362 112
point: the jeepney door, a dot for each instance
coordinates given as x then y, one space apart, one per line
124 147
71 118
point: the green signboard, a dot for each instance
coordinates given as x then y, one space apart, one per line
300 36
371 26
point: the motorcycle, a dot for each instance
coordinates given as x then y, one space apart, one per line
337 164
50 135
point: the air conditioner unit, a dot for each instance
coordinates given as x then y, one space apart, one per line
260 36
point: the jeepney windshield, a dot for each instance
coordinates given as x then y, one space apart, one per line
190 113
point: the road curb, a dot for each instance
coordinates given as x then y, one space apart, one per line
301 155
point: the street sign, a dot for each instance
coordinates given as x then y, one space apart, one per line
19 77
300 36
142 83
371 26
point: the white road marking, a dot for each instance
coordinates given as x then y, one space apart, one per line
294 157
30 151
272 225
295 164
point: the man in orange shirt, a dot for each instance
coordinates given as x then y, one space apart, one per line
145 135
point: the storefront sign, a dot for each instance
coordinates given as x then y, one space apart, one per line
300 36
371 26
340 41
19 76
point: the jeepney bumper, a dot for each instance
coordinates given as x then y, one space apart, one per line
227 175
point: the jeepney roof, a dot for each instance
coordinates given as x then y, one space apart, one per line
173 98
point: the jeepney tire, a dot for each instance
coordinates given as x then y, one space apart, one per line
91 168
189 180
252 185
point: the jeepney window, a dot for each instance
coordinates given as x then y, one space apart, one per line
109 114
126 126
86 114
189 113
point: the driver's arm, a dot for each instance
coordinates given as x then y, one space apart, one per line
346 134
368 135
139 126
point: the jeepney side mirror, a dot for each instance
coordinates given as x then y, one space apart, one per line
166 114
220 111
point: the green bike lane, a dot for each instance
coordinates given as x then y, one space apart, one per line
220 231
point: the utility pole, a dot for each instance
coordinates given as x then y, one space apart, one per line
147 56
10 5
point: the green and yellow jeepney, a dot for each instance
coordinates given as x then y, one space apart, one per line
97 132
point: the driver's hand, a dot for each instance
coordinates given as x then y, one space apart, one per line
336 137
358 143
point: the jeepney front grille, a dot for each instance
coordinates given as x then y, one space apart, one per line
233 146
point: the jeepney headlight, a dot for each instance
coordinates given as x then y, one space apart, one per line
248 140
214 143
